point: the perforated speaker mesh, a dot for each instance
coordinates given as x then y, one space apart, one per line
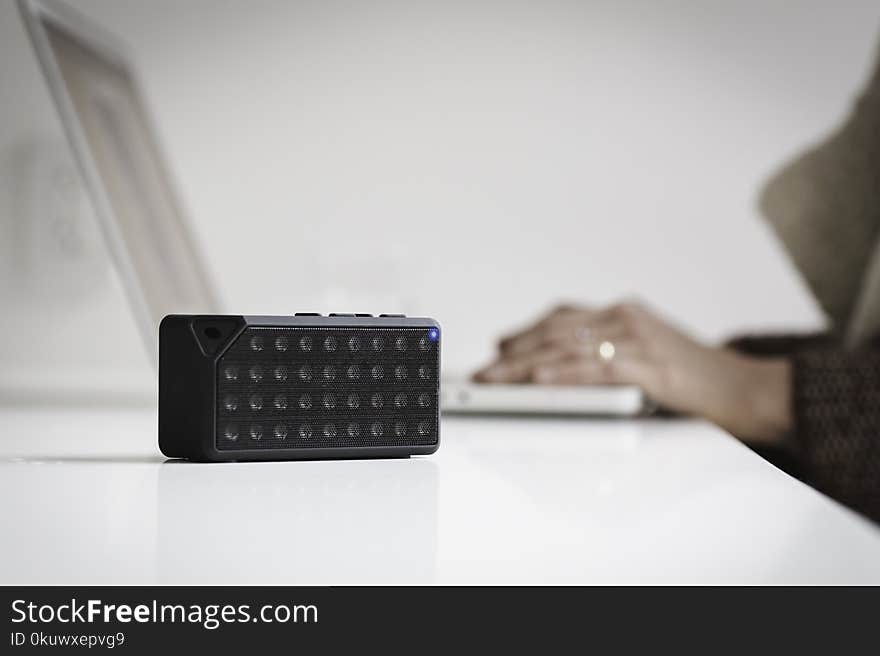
328 387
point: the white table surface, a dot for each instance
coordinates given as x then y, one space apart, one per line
86 498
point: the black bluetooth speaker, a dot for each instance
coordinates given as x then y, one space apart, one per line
298 387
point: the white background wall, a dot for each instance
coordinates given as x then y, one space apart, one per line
474 161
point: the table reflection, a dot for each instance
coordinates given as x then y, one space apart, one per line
298 522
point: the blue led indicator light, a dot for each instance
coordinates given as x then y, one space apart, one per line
433 334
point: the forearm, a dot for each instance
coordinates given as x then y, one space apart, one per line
771 404
758 409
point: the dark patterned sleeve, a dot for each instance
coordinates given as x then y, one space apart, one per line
779 345
836 406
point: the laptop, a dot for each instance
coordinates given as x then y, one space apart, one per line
95 88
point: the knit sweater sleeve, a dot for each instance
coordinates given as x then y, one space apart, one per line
835 401
836 408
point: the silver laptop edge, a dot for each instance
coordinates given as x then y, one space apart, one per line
36 13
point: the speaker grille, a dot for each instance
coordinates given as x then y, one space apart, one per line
281 388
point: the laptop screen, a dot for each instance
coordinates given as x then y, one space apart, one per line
146 229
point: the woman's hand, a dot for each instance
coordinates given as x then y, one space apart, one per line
628 344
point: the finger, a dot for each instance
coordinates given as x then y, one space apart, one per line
522 368
565 337
585 372
555 346
509 342
627 366
521 343
576 333
584 338
613 321
518 368
479 376
534 337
